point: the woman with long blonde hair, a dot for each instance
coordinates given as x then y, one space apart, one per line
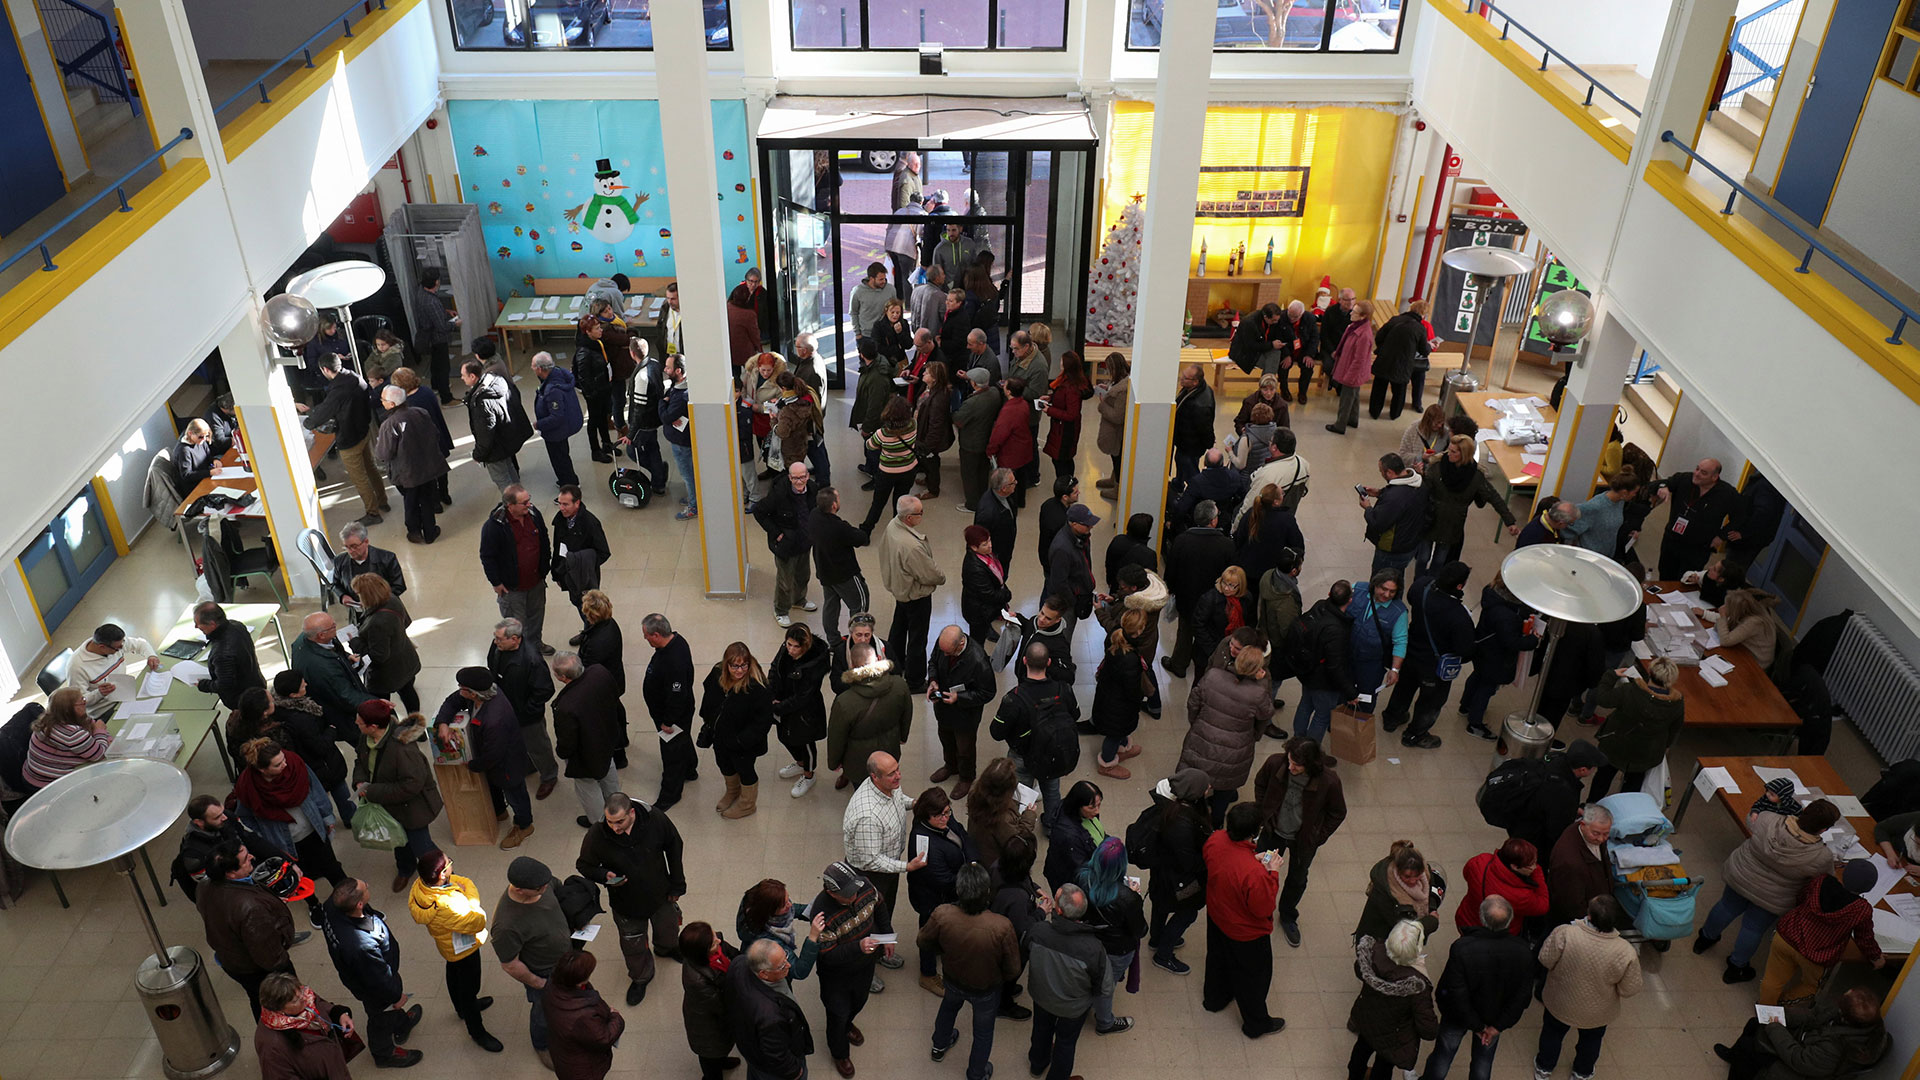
736 712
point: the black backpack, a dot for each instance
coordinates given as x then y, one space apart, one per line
1143 837
1297 648
1506 796
1053 748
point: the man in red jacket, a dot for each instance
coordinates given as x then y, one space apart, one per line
1241 890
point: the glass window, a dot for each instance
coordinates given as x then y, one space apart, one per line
952 24
1292 25
571 24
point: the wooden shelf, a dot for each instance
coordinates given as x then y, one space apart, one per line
1250 279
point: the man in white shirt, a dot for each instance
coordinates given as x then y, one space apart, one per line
108 653
878 819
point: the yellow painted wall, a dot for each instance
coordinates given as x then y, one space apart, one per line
1348 152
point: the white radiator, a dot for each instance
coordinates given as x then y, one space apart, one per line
1878 688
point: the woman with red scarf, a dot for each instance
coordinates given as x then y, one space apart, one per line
983 586
302 1036
704 959
279 797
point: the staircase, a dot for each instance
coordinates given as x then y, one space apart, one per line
96 115
85 41
1744 122
1650 406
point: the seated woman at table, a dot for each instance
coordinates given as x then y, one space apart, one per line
1724 576
63 739
1898 838
1747 619
1647 714
193 457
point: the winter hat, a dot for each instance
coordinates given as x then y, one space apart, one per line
1859 876
375 712
1079 514
976 534
842 879
1582 754
527 872
474 678
1190 785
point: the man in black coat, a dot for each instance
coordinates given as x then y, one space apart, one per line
588 727
1329 681
634 851
231 664
667 689
835 560
1192 422
960 682
1484 990
1256 343
208 826
1555 801
1070 561
995 513
1438 625
1702 503
580 547
516 557
784 513
499 751
499 427
1194 563
1216 482
1397 517
523 678
347 406
1299 332
644 393
1131 548
768 1026
1053 516
367 957
359 556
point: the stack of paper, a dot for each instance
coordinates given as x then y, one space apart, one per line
1848 806
1768 776
517 316
189 672
1896 935
1640 650
1715 779
1718 665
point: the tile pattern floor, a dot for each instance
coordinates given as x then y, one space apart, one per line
67 1009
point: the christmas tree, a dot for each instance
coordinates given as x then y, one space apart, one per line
1116 280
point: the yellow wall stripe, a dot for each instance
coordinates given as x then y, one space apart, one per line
111 516
247 128
133 60
31 602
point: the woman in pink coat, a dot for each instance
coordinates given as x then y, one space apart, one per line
1352 363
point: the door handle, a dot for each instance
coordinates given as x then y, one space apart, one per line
1808 92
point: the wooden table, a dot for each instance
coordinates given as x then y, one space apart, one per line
195 714
1749 700
1814 772
1507 469
565 316
1222 374
322 442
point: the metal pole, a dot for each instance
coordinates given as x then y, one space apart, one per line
124 864
1555 628
1481 285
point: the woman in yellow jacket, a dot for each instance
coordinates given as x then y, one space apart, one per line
449 906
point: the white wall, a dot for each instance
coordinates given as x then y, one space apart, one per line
125 471
248 30
1694 436
1618 33
1872 206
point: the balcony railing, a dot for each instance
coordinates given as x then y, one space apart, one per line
1907 313
43 243
303 52
1547 52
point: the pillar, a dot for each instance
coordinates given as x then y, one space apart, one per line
1594 385
686 123
1684 75
276 447
172 91
1173 187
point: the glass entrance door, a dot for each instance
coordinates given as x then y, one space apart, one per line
64 561
805 272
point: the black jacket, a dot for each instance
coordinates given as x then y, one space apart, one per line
1124 550
379 561
1498 640
647 856
1488 980
1400 347
768 1027
231 664
1331 630
644 393
1194 564
1069 846
499 750
500 560
602 643
192 463
1180 876
737 722
798 705
190 866
407 446
1053 518
1069 564
1250 340
1333 326
588 724
972 673
932 885
785 515
365 954
1396 522
1223 484
1117 694
1437 624
1025 705
1002 526
834 539
1307 330
582 532
983 595
524 681
346 405
667 686
1257 555
1193 420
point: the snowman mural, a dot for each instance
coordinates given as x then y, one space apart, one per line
608 216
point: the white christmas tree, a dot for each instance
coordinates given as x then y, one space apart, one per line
1115 282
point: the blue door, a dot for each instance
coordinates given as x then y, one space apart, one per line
30 179
1824 128
68 556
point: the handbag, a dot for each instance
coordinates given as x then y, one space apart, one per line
1656 783
1446 666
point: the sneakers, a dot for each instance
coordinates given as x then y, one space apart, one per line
1542 1074
810 605
790 770
802 786
1120 1024
1291 931
893 963
876 986
686 515
1173 964
401 1058
940 1052
783 620
1479 731
1424 742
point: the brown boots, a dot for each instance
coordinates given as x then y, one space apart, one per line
746 804
732 796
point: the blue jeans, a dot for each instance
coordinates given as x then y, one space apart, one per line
343 802
1553 1032
1103 1006
822 468
1315 713
1448 1044
1753 926
1397 563
536 1016
986 1008
1049 791
683 458
1054 1038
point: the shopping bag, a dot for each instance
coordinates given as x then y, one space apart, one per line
1350 736
1657 783
374 827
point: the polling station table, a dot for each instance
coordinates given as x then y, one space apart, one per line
1514 467
1813 774
529 315
1725 687
235 477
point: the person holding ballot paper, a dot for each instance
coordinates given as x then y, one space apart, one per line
853 925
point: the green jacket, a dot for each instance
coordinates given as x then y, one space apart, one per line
331 679
871 394
1644 724
1818 1044
875 712
1279 605
973 421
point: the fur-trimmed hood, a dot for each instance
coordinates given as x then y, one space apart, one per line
868 672
1380 974
409 729
1151 598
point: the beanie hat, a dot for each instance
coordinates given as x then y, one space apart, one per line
1859 876
1190 785
1582 754
375 711
474 678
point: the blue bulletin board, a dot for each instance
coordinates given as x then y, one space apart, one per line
578 188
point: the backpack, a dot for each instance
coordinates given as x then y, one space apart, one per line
1143 837
1053 748
1506 796
1297 648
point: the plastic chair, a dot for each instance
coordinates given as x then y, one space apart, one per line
312 543
54 675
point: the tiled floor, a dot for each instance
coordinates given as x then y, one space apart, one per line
67 1009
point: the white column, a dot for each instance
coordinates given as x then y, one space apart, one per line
1173 187
172 90
276 447
1594 386
686 125
1684 74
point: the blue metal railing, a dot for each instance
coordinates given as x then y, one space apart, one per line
85 43
1806 261
302 51
119 187
1765 68
1549 52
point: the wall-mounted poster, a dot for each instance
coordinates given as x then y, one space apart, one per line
1456 297
578 188
1556 279
1252 191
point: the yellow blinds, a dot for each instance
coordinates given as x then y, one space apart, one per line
1313 181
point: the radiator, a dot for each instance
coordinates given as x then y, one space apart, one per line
1878 688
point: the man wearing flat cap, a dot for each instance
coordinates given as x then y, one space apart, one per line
529 935
498 750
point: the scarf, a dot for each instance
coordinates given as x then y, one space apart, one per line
1236 614
993 564
717 959
1399 890
780 929
1456 477
307 1019
270 797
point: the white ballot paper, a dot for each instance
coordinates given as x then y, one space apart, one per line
156 683
1715 779
587 932
1025 796
1770 1014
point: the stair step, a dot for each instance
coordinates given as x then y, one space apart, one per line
1668 388
1653 409
1758 102
1739 125
101 120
